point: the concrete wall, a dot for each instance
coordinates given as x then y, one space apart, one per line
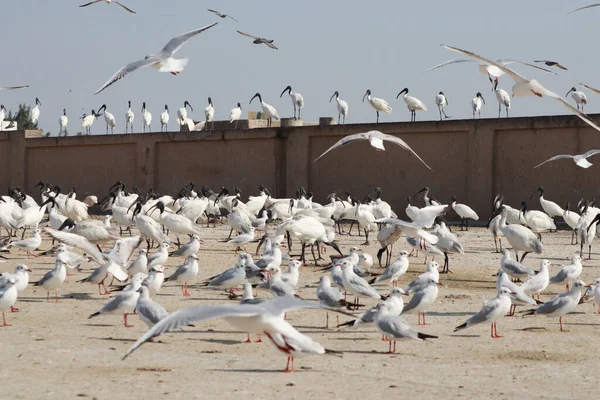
471 159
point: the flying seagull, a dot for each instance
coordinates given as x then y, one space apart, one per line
583 8
580 159
220 14
13 87
259 40
376 140
552 64
107 2
590 88
524 87
163 61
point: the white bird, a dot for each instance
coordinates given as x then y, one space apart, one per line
8 298
262 318
185 273
2 115
20 280
394 271
595 285
579 159
520 237
35 111
292 275
159 257
297 100
549 207
260 40
235 114
412 103
514 268
579 97
377 103
537 221
53 279
356 285
572 219
88 121
477 104
182 113
147 118
62 123
394 302
192 247
140 264
396 328
569 273
447 242
108 2
524 87
149 311
503 99
164 119
129 116
422 299
268 110
209 113
110 119
376 140
519 296
124 302
442 101
175 222
492 311
342 107
330 297
30 244
420 281
229 279
539 282
155 279
561 305
163 60
464 212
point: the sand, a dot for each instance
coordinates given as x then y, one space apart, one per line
53 351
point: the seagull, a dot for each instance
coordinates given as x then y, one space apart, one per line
149 311
583 8
221 15
492 311
552 64
561 305
262 318
525 87
107 2
395 327
376 140
163 61
13 87
580 159
260 40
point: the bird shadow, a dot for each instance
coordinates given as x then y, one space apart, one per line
220 341
449 314
78 296
111 339
465 336
100 325
253 371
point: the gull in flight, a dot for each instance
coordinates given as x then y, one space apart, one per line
580 159
107 2
552 64
583 8
221 15
524 87
376 140
163 61
260 40
266 318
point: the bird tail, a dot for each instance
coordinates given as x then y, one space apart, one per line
334 352
425 336
458 328
94 315
349 323
538 247
539 302
527 312
174 65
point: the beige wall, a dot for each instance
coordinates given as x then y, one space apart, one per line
471 159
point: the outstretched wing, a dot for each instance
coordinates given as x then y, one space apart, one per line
590 88
554 158
344 141
126 8
448 63
583 8
175 44
271 45
129 68
512 61
249 35
90 3
77 241
402 143
13 87
590 153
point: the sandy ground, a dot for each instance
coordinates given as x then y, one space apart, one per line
53 351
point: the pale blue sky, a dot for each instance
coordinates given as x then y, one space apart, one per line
345 45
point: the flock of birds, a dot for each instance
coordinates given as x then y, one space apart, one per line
162 220
164 61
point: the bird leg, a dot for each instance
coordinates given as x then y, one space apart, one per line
56 296
31 254
366 243
4 320
185 291
125 324
495 331
561 325
327 320
312 250
248 340
377 117
287 369
14 309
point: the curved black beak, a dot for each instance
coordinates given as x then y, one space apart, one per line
596 219
289 88
255 96
50 199
69 223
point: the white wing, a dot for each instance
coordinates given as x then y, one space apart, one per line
583 8
77 241
249 35
590 88
405 146
555 158
175 44
590 153
344 141
129 68
447 63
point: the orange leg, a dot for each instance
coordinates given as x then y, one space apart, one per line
248 340
287 369
259 339
14 309
125 324
4 320
561 325
495 331
56 296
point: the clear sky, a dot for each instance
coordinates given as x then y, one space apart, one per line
65 53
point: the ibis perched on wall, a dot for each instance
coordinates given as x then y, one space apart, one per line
377 103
